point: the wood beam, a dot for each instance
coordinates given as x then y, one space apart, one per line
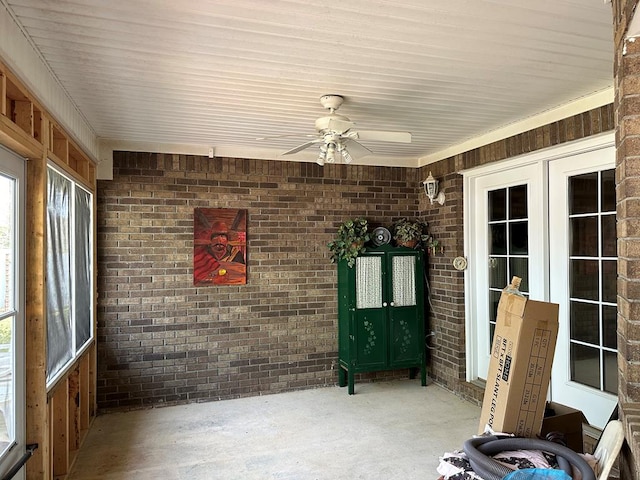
37 420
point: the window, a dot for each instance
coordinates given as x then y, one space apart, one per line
592 280
508 231
69 267
12 306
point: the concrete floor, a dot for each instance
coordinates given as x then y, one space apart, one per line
387 430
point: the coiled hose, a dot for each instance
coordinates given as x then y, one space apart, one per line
478 450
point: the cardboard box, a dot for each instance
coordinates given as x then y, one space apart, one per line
520 367
566 420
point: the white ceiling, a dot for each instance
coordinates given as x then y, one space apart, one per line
221 73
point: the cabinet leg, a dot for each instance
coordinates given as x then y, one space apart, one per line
423 375
342 377
351 382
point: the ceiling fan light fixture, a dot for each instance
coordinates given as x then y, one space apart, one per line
331 153
346 156
322 156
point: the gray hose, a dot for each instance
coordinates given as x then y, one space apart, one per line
478 448
491 448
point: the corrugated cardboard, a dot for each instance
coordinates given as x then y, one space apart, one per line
520 367
566 420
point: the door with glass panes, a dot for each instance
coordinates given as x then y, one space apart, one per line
583 281
508 231
552 223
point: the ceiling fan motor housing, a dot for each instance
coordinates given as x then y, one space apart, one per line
331 102
334 123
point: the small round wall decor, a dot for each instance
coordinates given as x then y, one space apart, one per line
459 263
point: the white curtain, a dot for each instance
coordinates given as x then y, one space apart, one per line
369 282
404 281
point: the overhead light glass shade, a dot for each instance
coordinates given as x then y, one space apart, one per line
331 153
431 190
322 156
346 156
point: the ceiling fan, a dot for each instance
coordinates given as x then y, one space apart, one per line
337 138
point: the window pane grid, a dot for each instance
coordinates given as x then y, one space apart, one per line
592 278
507 228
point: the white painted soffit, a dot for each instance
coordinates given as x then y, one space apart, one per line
144 86
585 104
19 55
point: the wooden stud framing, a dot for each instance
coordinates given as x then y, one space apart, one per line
23 115
59 144
57 420
84 400
73 383
60 430
93 375
3 94
38 467
14 138
19 108
38 124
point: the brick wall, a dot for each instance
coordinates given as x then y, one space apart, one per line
161 340
627 87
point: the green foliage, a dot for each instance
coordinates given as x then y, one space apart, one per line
5 332
405 230
349 241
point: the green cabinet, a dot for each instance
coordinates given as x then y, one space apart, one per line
381 313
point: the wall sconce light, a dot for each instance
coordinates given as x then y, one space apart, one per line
431 189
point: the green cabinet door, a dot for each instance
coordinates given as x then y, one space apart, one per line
370 316
406 321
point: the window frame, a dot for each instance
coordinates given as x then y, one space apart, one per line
76 350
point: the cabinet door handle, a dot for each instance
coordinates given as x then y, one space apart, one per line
384 304
391 304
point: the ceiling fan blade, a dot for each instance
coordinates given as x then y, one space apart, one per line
381 136
356 149
303 146
287 135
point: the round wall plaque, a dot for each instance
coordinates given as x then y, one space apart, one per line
459 263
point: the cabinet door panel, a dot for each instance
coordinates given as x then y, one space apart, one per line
405 339
370 338
370 318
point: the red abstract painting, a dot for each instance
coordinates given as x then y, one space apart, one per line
219 246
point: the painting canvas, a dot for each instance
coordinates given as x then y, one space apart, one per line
219 246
